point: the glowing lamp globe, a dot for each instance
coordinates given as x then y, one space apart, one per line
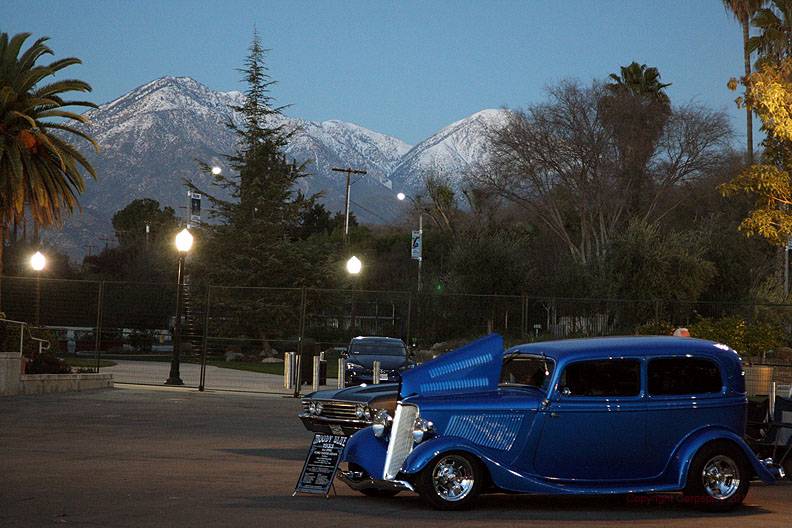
354 265
401 196
216 170
38 261
184 241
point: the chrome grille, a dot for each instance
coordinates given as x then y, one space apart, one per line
401 440
334 409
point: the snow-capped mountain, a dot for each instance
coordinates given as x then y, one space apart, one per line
451 151
151 139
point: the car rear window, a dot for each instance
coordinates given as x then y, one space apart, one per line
608 377
683 375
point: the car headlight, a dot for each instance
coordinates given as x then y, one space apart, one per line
315 407
361 411
382 421
421 428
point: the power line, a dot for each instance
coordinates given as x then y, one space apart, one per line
369 211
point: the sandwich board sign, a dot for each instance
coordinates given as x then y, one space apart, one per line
321 464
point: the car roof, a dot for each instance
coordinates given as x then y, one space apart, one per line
628 345
377 340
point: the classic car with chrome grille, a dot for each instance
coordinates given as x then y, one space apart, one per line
345 411
585 416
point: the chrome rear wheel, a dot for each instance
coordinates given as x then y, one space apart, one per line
720 477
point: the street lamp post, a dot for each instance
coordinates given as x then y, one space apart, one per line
353 266
184 241
401 196
38 261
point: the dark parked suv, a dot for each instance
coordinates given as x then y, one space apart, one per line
364 351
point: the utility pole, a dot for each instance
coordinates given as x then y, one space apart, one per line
786 268
349 172
420 257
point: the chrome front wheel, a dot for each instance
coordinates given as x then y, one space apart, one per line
453 478
451 481
720 477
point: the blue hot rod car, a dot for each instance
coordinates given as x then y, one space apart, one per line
587 416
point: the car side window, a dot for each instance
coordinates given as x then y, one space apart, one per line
683 375
608 377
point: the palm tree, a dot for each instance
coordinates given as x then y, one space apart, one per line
636 111
743 11
637 79
40 170
774 42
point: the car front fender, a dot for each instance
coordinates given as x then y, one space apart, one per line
427 450
690 446
367 451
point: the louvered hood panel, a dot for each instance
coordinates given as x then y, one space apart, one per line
471 368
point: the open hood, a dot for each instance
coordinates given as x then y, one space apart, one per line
473 367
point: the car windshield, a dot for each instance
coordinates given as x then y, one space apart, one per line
378 349
526 371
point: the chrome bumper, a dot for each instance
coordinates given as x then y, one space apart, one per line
357 480
774 469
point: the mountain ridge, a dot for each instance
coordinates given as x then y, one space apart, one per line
151 137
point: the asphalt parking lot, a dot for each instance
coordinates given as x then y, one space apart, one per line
145 457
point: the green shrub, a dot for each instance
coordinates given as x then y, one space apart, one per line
655 328
748 339
47 363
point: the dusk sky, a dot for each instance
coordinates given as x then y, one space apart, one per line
401 68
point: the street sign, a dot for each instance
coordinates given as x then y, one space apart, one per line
417 245
321 464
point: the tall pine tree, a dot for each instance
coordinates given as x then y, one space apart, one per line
250 242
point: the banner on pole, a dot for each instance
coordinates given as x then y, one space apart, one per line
195 207
417 245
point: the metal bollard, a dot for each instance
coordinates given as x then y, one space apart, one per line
316 367
341 373
296 373
375 373
288 377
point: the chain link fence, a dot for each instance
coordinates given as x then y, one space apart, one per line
240 334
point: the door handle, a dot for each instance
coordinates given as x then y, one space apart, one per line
554 414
